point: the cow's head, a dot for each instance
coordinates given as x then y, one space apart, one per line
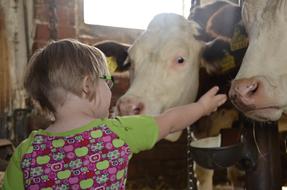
164 67
260 87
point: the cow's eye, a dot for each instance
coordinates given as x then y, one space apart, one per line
180 60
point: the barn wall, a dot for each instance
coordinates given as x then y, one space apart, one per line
64 19
14 30
5 91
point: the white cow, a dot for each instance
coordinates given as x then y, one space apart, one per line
260 88
165 73
166 51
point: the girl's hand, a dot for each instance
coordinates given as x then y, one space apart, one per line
210 101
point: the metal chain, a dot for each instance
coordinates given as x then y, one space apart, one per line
191 180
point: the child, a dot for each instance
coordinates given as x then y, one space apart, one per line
83 149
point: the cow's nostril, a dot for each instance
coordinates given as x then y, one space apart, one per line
129 106
245 87
252 88
137 111
138 108
232 97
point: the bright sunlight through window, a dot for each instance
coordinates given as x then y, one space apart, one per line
130 13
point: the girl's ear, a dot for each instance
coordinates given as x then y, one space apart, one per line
87 87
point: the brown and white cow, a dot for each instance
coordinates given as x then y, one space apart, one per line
163 59
260 87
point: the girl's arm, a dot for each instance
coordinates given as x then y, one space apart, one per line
178 118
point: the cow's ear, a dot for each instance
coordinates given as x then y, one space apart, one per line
116 54
216 20
252 10
215 58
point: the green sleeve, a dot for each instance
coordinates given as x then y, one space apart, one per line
13 179
139 132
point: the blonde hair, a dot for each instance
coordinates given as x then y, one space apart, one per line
60 67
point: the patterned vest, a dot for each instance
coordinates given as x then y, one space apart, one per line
95 159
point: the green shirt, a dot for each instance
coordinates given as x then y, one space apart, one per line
138 132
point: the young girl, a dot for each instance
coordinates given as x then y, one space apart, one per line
83 149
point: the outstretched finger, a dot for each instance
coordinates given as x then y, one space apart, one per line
213 90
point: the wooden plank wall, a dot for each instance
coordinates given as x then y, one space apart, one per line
5 79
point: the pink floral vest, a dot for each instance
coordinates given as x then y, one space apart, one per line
96 159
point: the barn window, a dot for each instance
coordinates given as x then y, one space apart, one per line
130 13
